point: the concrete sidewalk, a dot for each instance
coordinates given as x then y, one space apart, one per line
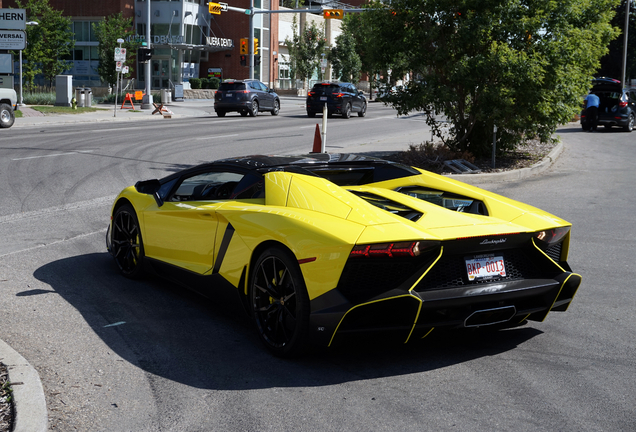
107 113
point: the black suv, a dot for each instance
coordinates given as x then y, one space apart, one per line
246 97
341 98
617 106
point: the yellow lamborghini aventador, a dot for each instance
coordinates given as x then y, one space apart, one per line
322 247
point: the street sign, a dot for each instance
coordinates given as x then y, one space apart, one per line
12 40
120 54
118 66
12 19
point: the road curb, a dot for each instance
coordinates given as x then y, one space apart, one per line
28 394
513 175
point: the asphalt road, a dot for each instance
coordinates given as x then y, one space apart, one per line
118 355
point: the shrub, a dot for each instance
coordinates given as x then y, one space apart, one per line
195 83
214 83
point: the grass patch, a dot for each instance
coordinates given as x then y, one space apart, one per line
47 109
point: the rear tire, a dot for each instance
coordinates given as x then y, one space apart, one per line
253 111
7 116
311 114
630 125
220 113
279 302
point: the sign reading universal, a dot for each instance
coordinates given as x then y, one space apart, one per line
12 40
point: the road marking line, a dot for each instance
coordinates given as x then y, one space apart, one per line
53 155
218 136
115 324
95 202
53 243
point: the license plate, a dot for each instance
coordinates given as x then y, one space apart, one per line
228 95
485 267
323 98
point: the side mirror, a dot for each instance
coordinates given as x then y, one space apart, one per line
150 187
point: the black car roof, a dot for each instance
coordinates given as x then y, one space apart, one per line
309 164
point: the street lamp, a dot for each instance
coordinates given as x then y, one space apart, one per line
29 23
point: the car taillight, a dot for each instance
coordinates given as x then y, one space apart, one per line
338 95
622 104
551 236
398 249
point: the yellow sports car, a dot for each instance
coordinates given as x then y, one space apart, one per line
323 247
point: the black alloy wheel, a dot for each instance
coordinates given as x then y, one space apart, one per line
279 302
126 244
253 112
276 109
346 113
363 111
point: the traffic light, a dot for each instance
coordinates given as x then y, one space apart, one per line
255 46
333 13
243 60
144 55
243 44
257 60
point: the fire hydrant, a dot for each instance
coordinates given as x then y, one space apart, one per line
74 103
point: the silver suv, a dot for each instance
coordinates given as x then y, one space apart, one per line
248 97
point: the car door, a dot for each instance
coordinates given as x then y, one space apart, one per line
267 96
356 102
260 96
182 231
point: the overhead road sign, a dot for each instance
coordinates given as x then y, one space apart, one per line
12 40
12 19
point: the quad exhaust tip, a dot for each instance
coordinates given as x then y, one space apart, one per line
487 317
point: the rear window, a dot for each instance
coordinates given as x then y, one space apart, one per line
326 89
232 86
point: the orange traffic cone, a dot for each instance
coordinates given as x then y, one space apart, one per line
317 141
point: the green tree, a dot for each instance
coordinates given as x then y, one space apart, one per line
107 32
344 59
520 65
305 50
49 43
612 63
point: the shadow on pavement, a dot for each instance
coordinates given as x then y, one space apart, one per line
171 332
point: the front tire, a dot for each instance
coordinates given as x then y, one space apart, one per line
276 109
126 244
363 112
347 111
279 302
7 116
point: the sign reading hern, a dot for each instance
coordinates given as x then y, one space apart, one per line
12 19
